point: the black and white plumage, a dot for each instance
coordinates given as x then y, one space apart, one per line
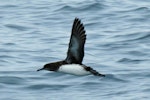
73 62
75 52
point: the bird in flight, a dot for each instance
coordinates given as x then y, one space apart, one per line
73 62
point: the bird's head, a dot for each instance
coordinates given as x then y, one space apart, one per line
49 67
45 67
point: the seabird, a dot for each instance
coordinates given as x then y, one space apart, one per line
73 62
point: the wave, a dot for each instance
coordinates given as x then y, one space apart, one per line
132 37
47 86
11 80
128 60
82 7
17 27
139 9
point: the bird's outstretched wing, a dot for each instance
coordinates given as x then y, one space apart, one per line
75 52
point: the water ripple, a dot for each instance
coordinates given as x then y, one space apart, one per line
17 27
11 80
35 32
84 7
133 61
47 87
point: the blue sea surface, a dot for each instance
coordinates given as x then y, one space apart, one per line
36 32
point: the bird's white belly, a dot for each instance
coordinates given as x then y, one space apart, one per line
74 69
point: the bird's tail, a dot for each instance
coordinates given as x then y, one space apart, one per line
94 72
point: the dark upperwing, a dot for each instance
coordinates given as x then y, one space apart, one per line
75 52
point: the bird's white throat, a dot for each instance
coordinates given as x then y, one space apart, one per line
74 69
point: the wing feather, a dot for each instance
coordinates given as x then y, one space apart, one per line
75 52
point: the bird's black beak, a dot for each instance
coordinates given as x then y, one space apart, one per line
40 69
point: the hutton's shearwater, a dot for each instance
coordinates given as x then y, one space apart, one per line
73 62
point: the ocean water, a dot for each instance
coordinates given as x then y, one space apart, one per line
35 32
